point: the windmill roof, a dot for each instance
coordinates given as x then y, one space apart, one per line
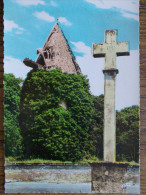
67 43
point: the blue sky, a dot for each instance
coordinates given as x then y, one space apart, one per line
28 23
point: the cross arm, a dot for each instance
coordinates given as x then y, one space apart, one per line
122 49
98 50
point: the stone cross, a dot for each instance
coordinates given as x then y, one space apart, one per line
110 49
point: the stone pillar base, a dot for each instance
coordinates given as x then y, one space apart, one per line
112 177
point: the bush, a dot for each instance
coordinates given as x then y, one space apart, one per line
13 139
56 111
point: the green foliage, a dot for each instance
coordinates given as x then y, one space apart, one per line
50 131
13 145
96 135
11 160
128 134
72 131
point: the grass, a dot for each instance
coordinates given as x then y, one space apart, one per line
7 161
133 163
11 160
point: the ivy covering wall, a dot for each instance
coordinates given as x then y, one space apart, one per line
50 130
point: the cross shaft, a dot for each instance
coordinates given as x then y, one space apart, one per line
110 50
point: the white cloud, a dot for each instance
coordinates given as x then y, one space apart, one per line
80 47
128 5
44 16
9 25
18 32
30 2
15 66
64 21
129 15
124 6
91 67
53 3
127 83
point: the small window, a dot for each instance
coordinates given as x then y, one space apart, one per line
45 54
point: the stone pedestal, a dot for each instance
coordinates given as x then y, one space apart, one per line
113 177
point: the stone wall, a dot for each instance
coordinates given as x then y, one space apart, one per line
114 177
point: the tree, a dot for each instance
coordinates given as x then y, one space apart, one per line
56 111
96 134
12 88
128 134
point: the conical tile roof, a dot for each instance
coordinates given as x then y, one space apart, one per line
56 53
